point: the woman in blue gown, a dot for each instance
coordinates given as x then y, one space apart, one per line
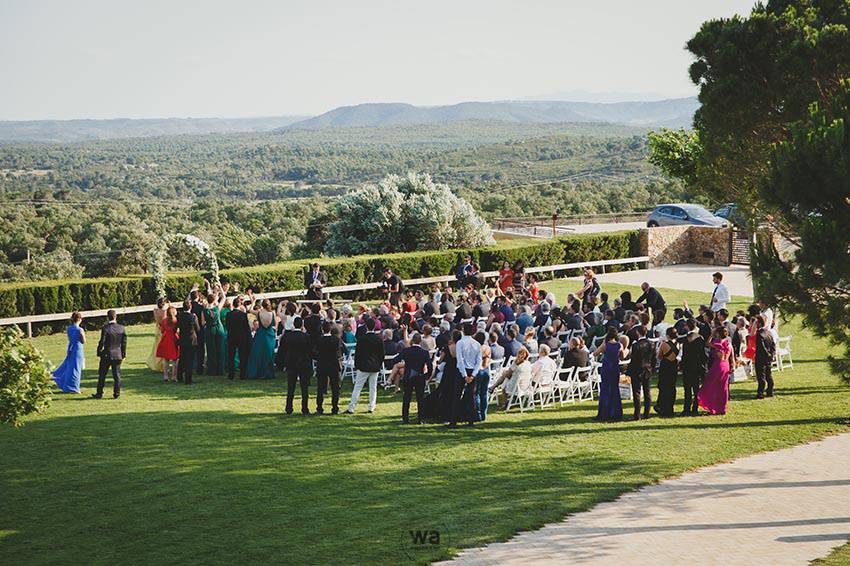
610 405
261 360
67 376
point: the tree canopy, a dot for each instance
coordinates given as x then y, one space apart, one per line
404 214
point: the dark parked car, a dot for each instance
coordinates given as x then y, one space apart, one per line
677 214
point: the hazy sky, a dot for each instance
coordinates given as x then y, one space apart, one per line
153 58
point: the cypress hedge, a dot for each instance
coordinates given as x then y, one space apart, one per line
23 299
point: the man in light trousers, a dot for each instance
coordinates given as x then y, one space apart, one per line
368 357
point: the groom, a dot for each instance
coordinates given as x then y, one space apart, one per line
111 349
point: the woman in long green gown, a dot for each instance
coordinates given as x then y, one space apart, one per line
261 360
214 336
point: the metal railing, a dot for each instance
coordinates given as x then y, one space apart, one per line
28 321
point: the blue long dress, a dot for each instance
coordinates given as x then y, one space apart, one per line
610 405
261 360
67 376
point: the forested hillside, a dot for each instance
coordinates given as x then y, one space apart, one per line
93 208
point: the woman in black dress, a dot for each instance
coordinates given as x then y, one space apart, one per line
669 367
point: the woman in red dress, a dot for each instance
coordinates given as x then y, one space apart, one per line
168 349
534 289
506 277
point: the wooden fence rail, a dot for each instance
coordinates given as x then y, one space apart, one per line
28 321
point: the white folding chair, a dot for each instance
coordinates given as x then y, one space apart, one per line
524 399
783 353
384 375
544 388
584 381
564 387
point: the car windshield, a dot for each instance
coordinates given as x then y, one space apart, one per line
697 212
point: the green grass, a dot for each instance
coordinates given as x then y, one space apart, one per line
838 557
216 474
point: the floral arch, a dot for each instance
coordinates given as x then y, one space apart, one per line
158 258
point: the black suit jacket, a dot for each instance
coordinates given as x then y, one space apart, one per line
188 326
113 342
313 293
415 358
329 353
295 351
369 354
642 358
694 359
238 329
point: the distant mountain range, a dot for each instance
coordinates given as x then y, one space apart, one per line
83 130
673 113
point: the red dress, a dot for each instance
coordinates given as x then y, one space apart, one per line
506 279
167 348
534 289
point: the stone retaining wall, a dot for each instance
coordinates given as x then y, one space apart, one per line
672 245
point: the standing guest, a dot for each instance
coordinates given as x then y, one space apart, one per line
534 288
393 287
417 369
295 350
188 328
238 339
313 324
506 277
215 336
329 353
155 363
765 350
261 359
668 369
314 282
226 307
694 362
519 275
713 396
468 365
653 301
168 350
641 362
464 271
111 349
368 357
590 290
67 376
482 380
198 311
610 404
720 296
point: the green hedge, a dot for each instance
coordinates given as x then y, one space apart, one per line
91 294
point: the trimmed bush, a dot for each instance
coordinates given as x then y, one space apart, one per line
92 294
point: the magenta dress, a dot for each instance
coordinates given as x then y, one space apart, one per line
714 393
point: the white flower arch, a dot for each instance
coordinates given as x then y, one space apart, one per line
158 258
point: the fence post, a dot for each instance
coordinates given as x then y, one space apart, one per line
29 329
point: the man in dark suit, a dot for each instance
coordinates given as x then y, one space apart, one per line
765 350
654 302
198 311
641 362
314 282
238 339
330 350
694 365
187 328
417 370
368 359
111 349
313 325
297 354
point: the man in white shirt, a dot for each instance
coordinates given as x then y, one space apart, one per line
468 351
720 296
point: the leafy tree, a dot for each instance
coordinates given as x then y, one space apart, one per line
404 214
756 75
58 264
25 379
807 192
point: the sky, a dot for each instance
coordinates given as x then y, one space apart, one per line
177 58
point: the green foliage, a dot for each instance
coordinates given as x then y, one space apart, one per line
25 379
404 214
756 75
807 193
93 294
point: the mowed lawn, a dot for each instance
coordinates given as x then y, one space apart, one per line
216 474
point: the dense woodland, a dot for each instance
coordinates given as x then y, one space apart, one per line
93 208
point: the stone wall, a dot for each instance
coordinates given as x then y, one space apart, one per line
671 245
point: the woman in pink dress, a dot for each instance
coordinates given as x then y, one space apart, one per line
713 396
